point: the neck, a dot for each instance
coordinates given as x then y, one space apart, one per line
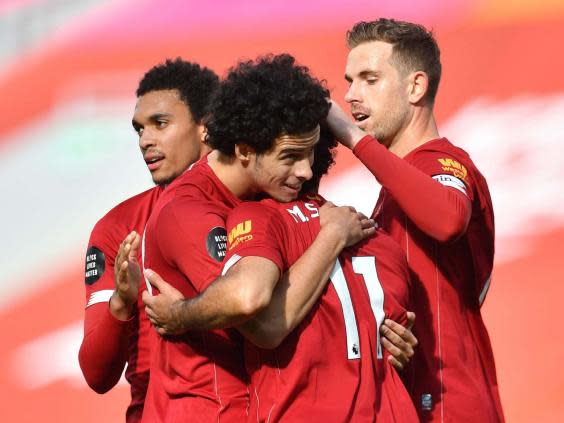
420 129
231 173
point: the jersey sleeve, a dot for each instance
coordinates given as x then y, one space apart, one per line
446 169
254 229
103 351
192 237
447 208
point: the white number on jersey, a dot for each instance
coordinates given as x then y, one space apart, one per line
365 266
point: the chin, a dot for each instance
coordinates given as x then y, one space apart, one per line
284 198
162 180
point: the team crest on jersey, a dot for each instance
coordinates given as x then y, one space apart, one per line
216 243
95 264
453 167
240 233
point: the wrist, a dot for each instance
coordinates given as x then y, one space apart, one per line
355 136
352 136
177 314
119 308
332 237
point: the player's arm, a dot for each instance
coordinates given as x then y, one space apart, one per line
228 301
248 291
103 351
446 211
302 284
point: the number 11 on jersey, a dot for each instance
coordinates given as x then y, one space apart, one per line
365 266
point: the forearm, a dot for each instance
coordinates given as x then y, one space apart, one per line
217 307
445 214
104 348
295 294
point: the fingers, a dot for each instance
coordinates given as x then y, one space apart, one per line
367 223
362 216
410 319
395 362
396 357
134 246
405 348
399 342
121 274
403 332
130 237
155 280
151 314
368 232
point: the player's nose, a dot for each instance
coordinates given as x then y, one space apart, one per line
352 93
147 139
302 169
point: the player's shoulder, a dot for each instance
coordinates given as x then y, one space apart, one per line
143 201
196 178
443 151
264 209
187 216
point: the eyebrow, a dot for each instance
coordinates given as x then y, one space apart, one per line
292 150
153 117
157 116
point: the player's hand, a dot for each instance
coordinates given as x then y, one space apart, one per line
342 127
127 277
399 341
346 223
163 310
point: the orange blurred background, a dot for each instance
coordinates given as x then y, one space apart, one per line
68 74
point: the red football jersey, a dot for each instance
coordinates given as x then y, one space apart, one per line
453 374
198 376
331 368
108 342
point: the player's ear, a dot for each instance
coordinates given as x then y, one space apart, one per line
418 86
202 132
244 153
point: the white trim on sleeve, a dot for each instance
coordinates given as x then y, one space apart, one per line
230 263
100 297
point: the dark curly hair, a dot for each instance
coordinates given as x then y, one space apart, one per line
196 85
263 99
415 48
324 158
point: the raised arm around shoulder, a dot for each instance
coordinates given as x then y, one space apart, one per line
446 211
231 299
300 287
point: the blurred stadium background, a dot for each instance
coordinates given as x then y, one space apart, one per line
68 72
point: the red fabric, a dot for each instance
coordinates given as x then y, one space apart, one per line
454 363
309 377
446 212
109 343
198 376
